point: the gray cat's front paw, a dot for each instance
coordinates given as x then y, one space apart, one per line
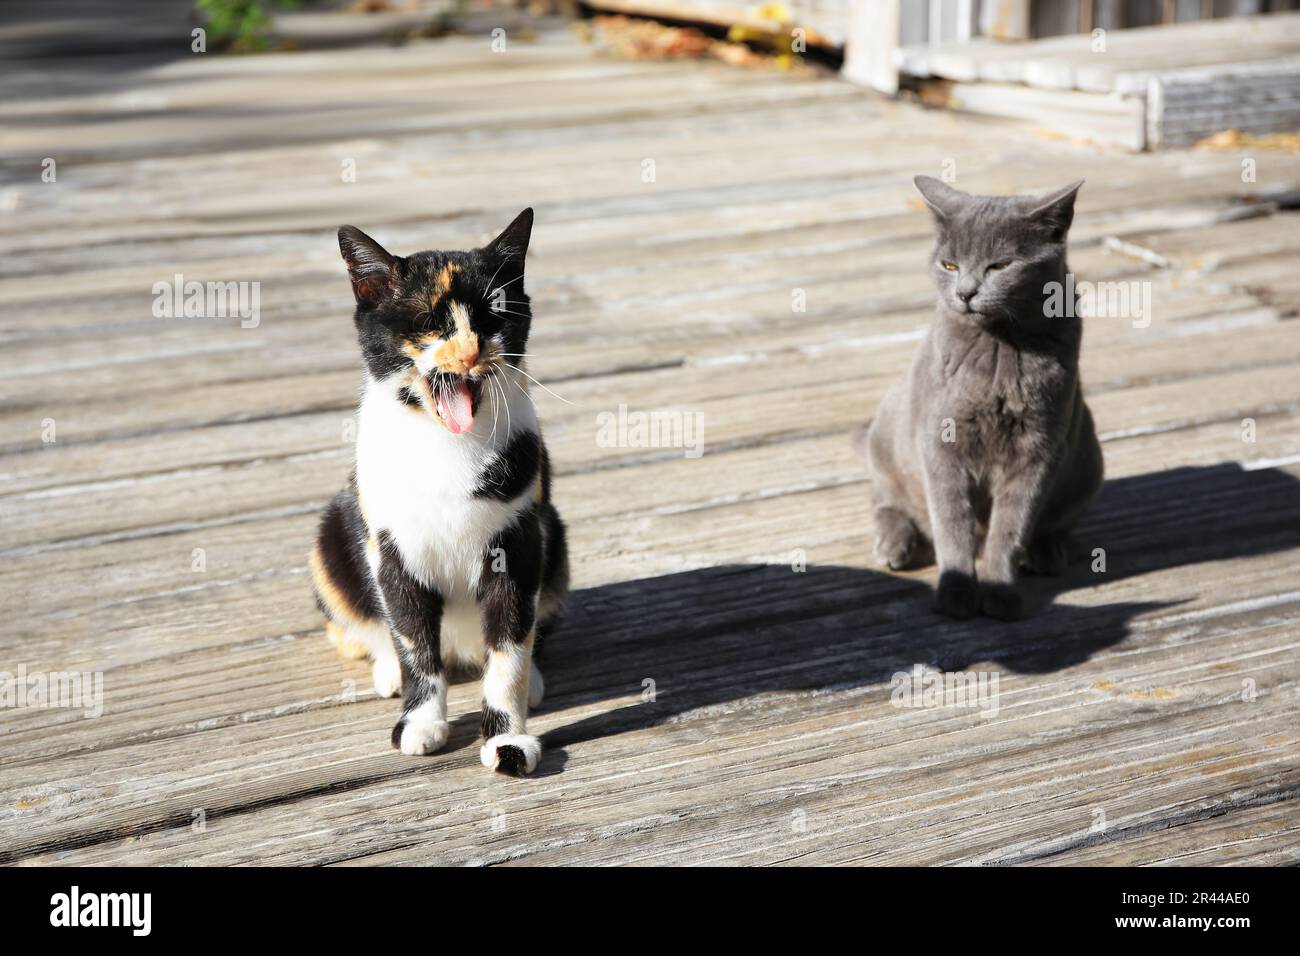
894 551
1002 601
900 545
958 595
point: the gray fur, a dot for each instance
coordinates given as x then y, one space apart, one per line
999 379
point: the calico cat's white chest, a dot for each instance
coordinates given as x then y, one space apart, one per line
417 482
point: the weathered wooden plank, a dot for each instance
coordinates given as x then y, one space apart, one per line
1180 754
1260 836
1095 117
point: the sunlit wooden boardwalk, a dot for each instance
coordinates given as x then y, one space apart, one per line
707 702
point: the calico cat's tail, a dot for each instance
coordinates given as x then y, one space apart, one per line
346 593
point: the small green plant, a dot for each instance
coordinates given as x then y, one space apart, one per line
241 23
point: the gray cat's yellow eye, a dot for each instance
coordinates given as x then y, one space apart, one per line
950 266
998 265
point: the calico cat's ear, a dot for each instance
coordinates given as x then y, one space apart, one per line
1056 210
512 245
369 265
943 200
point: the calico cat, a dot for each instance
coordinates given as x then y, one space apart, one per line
986 452
445 547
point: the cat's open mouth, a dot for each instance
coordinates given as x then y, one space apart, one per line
456 401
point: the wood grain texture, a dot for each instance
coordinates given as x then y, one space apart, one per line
1148 713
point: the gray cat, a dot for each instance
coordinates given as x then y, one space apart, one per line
985 450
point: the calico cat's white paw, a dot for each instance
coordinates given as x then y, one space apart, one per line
514 754
387 674
536 688
416 735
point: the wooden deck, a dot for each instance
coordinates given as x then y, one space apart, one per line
1150 713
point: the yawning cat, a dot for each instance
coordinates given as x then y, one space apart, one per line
446 547
987 440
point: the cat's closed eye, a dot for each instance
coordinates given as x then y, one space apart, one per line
995 266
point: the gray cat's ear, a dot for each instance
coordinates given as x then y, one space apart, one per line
370 266
1056 210
943 200
512 244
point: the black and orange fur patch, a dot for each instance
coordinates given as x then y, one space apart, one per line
339 570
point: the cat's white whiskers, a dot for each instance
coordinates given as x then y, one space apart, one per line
544 388
509 424
524 392
500 266
506 283
492 438
511 312
499 393
493 378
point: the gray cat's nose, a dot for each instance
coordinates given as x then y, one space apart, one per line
966 294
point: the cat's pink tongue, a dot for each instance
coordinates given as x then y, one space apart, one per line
456 406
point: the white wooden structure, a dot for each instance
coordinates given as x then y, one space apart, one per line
1096 73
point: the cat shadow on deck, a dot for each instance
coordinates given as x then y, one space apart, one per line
710 637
